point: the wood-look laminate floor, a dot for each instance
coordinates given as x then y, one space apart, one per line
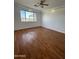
39 43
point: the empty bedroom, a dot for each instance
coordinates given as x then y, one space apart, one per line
39 29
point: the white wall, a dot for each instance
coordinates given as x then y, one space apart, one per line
54 21
21 25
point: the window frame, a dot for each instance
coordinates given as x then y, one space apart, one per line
34 18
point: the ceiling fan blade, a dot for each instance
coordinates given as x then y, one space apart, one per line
36 5
42 1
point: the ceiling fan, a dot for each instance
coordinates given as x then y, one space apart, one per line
41 4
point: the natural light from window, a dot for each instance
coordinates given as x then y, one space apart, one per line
27 16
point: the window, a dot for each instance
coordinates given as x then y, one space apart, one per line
27 16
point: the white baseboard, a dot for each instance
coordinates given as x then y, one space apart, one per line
53 29
26 28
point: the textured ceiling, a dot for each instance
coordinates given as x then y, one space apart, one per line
52 4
